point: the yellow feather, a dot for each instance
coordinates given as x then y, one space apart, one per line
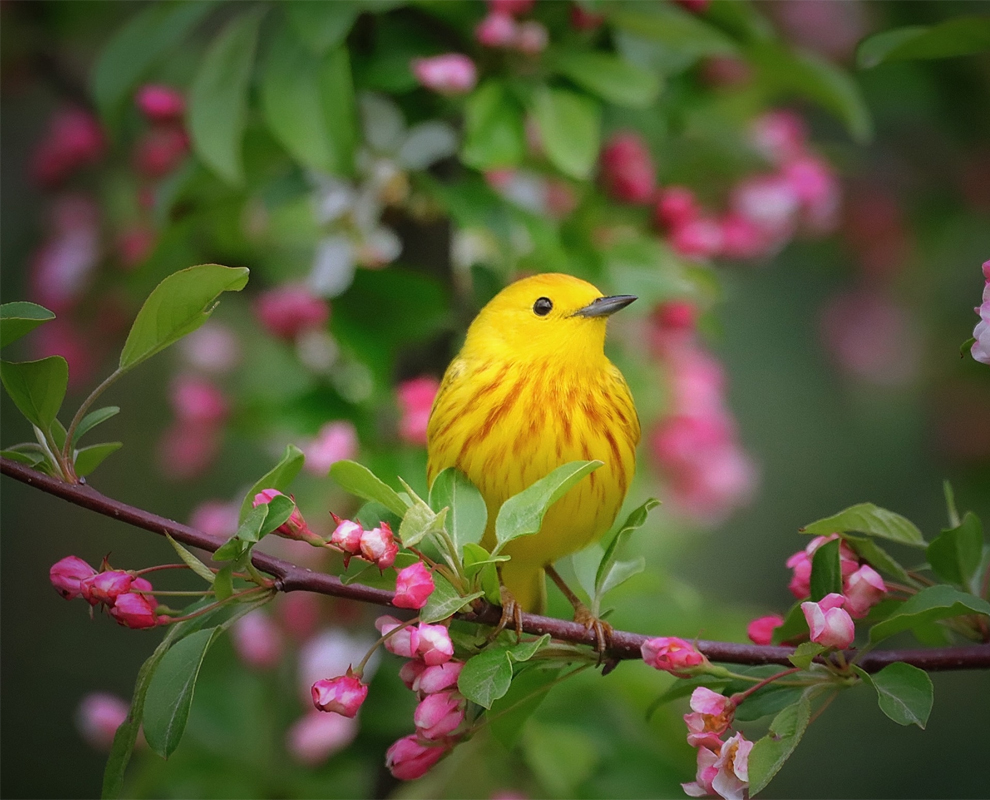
527 393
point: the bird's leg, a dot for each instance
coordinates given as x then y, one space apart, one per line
511 612
583 615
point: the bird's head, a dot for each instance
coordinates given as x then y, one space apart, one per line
544 315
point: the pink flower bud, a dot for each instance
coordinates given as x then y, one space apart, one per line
216 518
410 672
864 589
723 71
627 168
532 37
295 526
675 315
257 640
496 30
73 139
410 758
186 450
435 646
105 587
779 136
760 630
769 202
829 623
313 738
450 73
66 575
160 103
404 643
800 584
413 586
438 715
134 245
336 441
694 6
213 348
197 400
160 151
135 611
670 654
415 399
438 678
343 695
347 536
699 238
584 20
676 206
98 717
514 7
378 546
712 714
817 188
742 239
289 310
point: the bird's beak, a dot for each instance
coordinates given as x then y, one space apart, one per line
605 306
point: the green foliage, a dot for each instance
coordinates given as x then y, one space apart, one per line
361 481
609 77
493 128
20 318
468 513
931 604
904 693
278 477
959 36
769 753
36 387
870 519
570 129
487 676
956 553
826 571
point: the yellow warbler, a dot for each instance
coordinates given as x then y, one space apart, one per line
530 390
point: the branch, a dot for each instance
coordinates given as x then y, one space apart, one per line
625 645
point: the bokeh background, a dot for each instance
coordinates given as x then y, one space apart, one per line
833 351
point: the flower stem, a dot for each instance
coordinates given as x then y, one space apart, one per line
740 696
85 407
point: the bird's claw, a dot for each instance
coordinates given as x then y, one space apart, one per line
603 630
511 612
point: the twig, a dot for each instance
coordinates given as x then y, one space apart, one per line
624 645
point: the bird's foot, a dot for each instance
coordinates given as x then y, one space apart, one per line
511 613
602 629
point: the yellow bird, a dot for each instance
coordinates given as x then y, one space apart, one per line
530 390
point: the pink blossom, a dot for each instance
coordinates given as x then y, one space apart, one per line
560 199
336 441
532 37
743 239
760 630
732 768
290 310
438 715
331 652
347 536
697 238
211 348
779 136
584 20
411 758
829 623
450 73
314 737
701 786
864 588
411 670
671 327
413 586
437 678
670 654
725 71
62 267
710 718
72 140
160 103
135 611
676 206
216 518
415 399
160 151
769 202
627 168
817 189
98 717
435 646
67 574
378 546
678 440
404 642
295 526
134 245
498 29
342 695
197 400
981 347
105 587
717 483
514 7
697 387
800 584
830 28
186 450
257 640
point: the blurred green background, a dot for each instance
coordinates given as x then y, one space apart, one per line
822 436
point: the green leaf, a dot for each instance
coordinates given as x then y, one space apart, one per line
171 689
20 318
769 753
223 582
678 30
468 513
362 482
278 477
444 600
812 77
191 561
877 557
635 520
339 109
904 693
510 712
950 504
494 135
36 387
321 26
218 97
960 36
794 626
279 509
135 47
476 558
954 555
523 514
92 419
608 76
419 521
769 700
805 653
561 756
89 458
570 129
248 532
487 676
826 572
870 519
928 605
178 306
30 457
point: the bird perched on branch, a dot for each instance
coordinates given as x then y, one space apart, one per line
530 390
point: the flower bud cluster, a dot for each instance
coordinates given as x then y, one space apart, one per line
192 442
501 29
123 594
723 764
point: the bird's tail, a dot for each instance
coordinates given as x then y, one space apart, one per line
527 585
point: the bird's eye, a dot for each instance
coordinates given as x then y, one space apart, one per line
542 306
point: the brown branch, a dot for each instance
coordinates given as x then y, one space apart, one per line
625 645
